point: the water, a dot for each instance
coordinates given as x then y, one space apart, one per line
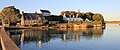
71 39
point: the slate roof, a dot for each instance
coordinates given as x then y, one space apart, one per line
28 16
45 11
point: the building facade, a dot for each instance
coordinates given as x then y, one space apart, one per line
31 18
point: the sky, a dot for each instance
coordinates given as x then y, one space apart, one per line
110 9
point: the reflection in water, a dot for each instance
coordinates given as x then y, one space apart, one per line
0 47
22 37
90 33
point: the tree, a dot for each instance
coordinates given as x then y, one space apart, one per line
0 15
62 13
83 16
98 17
79 14
11 14
89 15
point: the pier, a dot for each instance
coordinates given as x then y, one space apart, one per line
6 41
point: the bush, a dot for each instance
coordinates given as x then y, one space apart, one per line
6 21
86 22
77 22
96 22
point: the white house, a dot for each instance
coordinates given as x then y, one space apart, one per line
64 17
72 17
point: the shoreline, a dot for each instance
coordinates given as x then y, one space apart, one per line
58 26
112 22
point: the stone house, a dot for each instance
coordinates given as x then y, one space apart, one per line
31 18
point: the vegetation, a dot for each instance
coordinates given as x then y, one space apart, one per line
54 18
70 24
11 14
77 22
97 17
84 16
88 17
68 13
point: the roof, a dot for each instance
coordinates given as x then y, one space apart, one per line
45 11
25 14
29 16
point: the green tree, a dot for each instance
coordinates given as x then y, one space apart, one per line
11 14
98 17
89 15
79 14
83 16
62 13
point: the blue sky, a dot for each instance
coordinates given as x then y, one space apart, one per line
110 9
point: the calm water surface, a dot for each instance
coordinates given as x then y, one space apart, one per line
71 39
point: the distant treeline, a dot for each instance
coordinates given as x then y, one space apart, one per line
113 22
